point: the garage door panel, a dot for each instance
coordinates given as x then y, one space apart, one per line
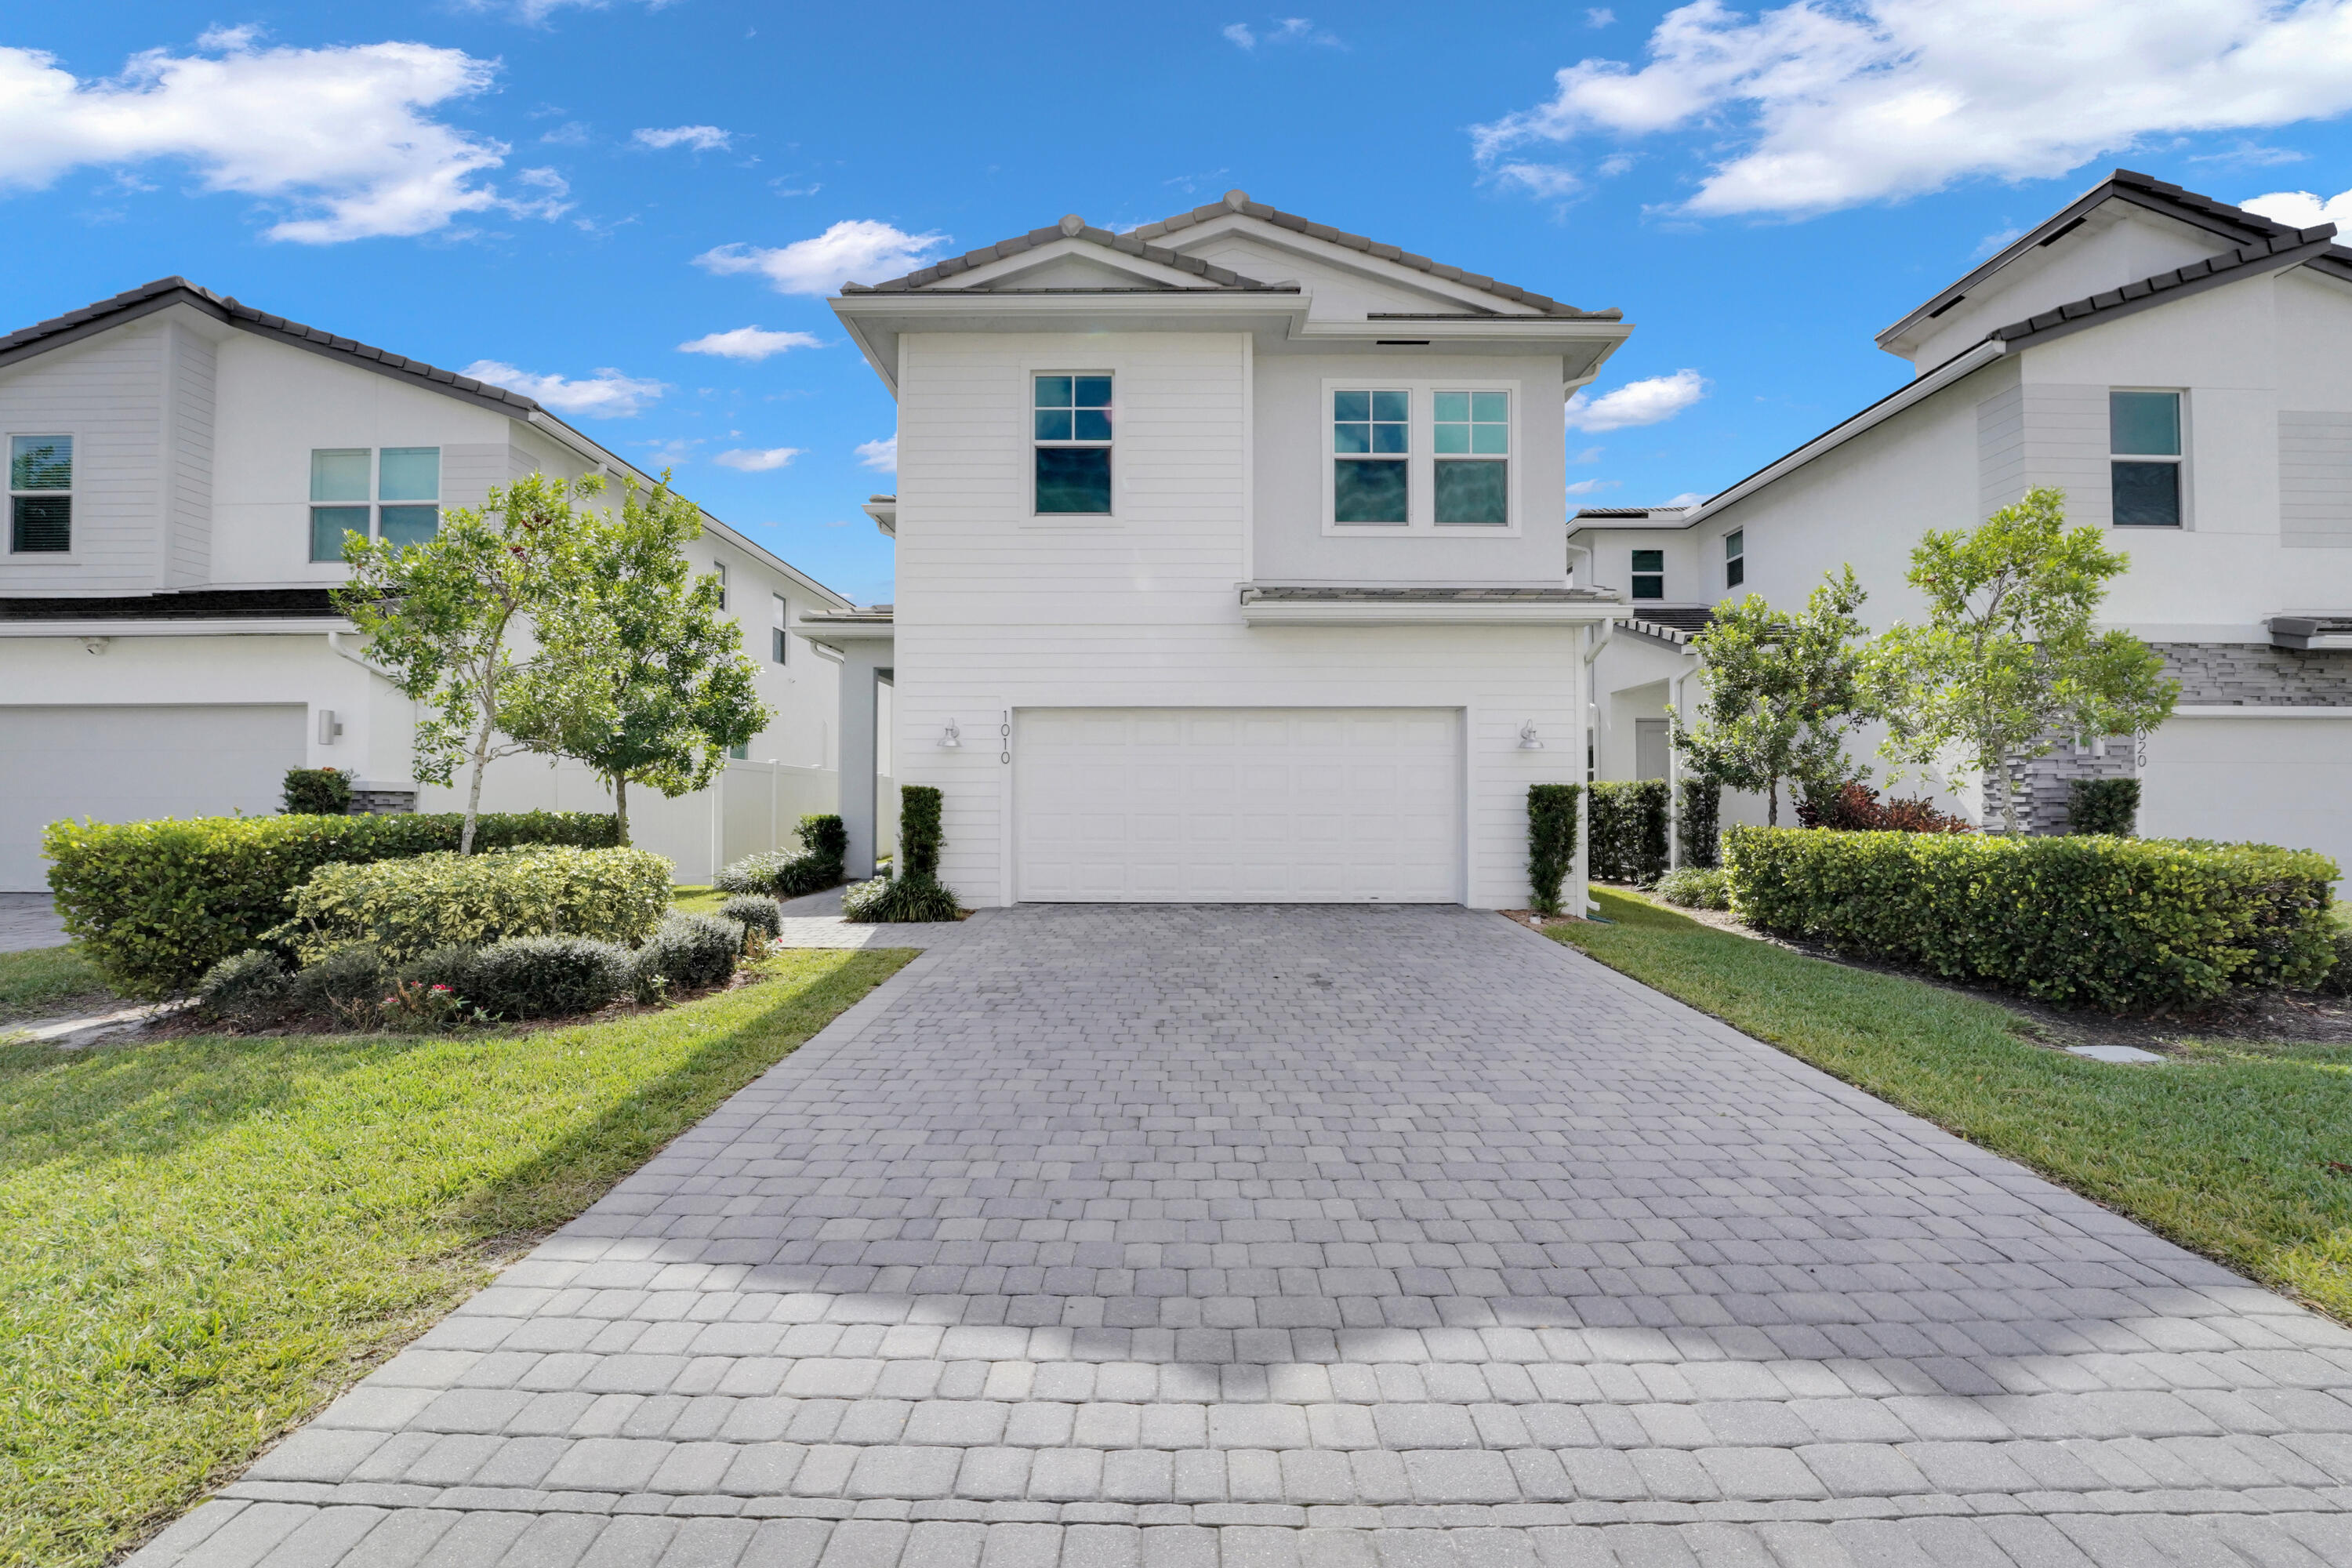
1312 804
132 763
2273 781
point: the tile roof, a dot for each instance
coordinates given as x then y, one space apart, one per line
164 292
2286 243
1070 227
1239 202
1629 511
1260 593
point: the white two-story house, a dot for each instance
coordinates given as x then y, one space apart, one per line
2182 369
182 471
1230 563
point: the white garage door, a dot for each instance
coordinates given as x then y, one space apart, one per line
2274 781
1238 806
125 764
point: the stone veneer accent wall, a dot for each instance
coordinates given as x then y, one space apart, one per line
2211 674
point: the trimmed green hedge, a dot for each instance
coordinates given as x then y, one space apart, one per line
2104 805
2125 924
155 904
1628 839
1699 823
404 909
1551 843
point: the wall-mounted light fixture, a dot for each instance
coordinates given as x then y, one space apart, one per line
951 739
1528 740
329 726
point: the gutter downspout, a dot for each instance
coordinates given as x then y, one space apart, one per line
1596 638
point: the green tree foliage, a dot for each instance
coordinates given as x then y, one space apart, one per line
641 675
441 616
1783 691
2008 663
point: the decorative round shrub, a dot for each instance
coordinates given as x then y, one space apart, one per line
687 953
546 976
753 912
1697 888
248 991
316 791
346 984
899 901
452 966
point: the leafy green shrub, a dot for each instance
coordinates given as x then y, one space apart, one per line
2337 981
452 966
898 899
409 907
316 791
2127 925
2103 805
247 990
685 953
825 840
157 903
1628 840
345 985
754 912
546 976
1699 822
1697 888
1551 843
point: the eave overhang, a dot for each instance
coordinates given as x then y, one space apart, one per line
844 630
1272 607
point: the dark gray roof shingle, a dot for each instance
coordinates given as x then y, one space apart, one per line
1070 227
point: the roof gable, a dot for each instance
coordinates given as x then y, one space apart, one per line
1122 256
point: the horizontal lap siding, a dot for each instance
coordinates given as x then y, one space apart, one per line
107 392
191 456
994 609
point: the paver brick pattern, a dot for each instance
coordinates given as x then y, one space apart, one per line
1164 1236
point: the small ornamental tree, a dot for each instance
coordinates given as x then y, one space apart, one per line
641 675
2007 663
1783 691
442 614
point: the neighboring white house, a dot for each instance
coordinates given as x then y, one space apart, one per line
2182 369
1230 563
181 469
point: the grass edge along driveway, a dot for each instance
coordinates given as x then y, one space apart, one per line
203 1240
2230 1149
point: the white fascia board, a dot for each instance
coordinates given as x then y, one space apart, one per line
1510 332
1467 613
581 446
1625 525
843 635
875 320
1140 268
82 631
1961 365
885 514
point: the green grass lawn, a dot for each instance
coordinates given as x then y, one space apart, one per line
696 900
2233 1151
47 980
202 1240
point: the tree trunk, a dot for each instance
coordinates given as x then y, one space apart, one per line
621 806
474 796
1772 804
2008 801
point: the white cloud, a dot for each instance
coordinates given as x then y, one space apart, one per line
1238 34
750 342
701 138
1284 30
1589 455
1592 487
1688 498
881 455
858 251
1825 107
1546 179
2302 209
1646 401
1600 16
757 461
341 138
608 395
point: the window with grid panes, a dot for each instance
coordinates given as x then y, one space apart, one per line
2144 435
1471 436
1071 432
1371 448
40 494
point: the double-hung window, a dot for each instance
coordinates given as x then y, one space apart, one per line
2144 437
1649 574
1071 435
1472 438
393 495
1735 558
719 569
778 641
1371 452
40 494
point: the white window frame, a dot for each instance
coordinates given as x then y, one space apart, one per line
1421 459
1632 572
779 640
1031 370
375 503
72 493
718 569
2179 459
1735 557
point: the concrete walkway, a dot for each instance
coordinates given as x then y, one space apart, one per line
1212 1237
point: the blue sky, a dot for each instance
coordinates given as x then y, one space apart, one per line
574 191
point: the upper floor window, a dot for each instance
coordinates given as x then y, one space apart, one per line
1371 448
1471 434
2144 435
779 640
40 493
1072 434
1735 558
1649 574
393 495
719 568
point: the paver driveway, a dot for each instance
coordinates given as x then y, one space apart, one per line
1201 1236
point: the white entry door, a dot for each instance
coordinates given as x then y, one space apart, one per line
1238 806
126 765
